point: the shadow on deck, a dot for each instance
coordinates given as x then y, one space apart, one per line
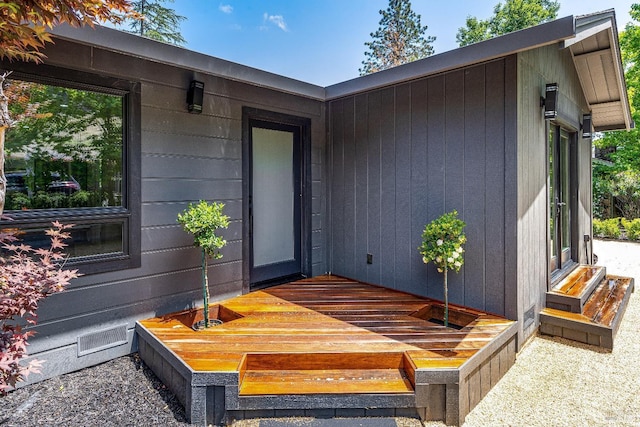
329 347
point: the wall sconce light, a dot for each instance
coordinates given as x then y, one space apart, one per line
586 126
195 95
550 101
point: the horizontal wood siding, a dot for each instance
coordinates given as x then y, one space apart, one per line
403 155
185 158
536 68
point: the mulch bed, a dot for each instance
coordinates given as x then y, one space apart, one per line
121 392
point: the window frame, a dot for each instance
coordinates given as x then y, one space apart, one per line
129 214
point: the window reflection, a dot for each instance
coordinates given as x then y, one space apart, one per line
64 149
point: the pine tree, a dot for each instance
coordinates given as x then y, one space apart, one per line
158 22
511 16
400 38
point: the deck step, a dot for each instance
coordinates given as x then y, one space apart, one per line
572 293
325 381
600 317
324 373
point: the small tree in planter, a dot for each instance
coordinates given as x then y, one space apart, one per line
442 242
203 220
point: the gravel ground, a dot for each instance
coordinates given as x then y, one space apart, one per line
554 382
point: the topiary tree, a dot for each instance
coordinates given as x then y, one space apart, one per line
203 220
442 242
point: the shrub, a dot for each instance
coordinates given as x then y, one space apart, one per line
632 228
41 200
607 228
17 201
27 276
80 199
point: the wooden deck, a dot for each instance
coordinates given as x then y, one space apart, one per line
572 293
331 342
587 306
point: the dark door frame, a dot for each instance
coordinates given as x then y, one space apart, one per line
250 115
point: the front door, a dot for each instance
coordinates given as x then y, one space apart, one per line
559 197
274 201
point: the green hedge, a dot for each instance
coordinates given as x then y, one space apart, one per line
632 228
607 228
613 228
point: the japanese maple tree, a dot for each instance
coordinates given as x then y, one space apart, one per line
27 275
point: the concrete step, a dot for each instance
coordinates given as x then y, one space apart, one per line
572 292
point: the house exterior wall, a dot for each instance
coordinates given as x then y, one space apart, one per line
184 158
536 68
401 156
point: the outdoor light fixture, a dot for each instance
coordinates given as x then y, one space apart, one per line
586 126
550 101
195 96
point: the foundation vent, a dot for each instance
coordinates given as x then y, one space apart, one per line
102 340
529 316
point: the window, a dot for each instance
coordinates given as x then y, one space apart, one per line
73 155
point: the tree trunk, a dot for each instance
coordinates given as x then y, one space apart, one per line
205 289
3 179
5 122
446 300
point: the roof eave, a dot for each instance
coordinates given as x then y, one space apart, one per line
121 42
530 38
590 26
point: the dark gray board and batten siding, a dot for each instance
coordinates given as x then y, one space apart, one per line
184 158
536 68
403 155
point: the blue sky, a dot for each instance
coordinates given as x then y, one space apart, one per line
322 41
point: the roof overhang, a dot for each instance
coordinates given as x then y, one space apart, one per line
541 35
592 40
596 55
113 40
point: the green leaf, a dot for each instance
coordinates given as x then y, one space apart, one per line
203 220
442 242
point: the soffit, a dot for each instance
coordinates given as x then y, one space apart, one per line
596 56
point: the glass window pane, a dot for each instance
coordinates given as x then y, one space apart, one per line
552 192
86 239
565 211
273 197
65 148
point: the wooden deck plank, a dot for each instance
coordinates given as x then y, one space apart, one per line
607 312
577 280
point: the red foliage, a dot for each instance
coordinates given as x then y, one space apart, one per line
27 276
25 23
